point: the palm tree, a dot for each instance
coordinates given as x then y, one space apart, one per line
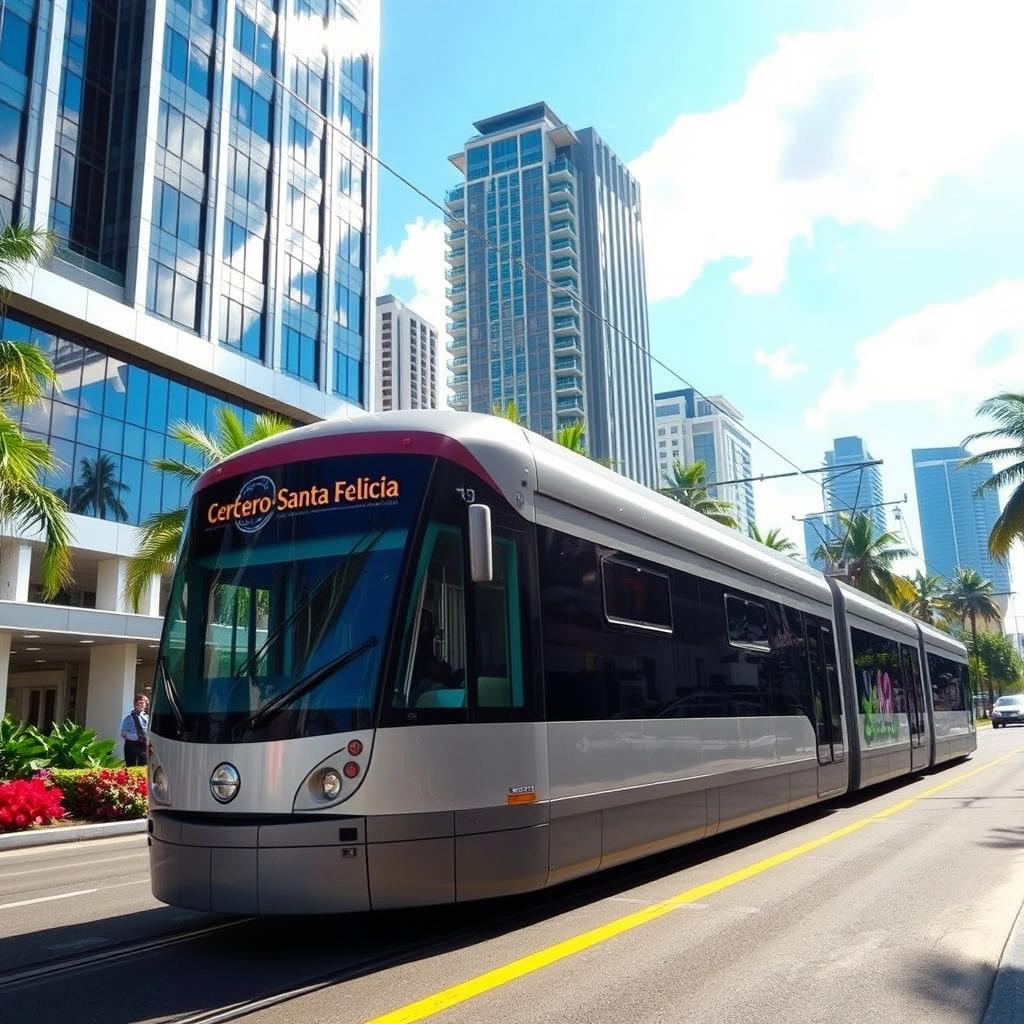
689 486
774 539
509 411
865 558
25 378
572 436
927 603
969 596
1007 409
99 489
161 532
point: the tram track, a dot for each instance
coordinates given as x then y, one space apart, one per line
49 970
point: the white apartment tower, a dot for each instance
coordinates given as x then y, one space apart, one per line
407 349
691 428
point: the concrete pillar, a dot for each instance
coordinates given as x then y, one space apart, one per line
111 688
149 603
110 573
5 667
110 596
15 565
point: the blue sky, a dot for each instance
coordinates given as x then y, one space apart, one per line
832 200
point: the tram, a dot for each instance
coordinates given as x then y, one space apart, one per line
419 658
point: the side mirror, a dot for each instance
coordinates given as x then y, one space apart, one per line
481 563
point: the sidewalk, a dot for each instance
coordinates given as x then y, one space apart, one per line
70 834
1006 1004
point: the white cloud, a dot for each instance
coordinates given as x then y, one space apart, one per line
414 272
853 125
780 363
948 355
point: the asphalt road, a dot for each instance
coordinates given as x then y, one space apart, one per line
892 906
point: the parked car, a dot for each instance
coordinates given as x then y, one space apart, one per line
1008 711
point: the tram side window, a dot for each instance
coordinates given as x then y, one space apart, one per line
880 685
634 596
435 630
949 685
497 632
912 663
748 624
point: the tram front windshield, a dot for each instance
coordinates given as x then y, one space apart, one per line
280 609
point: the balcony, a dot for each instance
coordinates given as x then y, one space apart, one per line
567 343
454 222
456 256
561 170
565 263
565 227
459 400
458 363
567 325
458 380
456 345
454 292
456 307
568 385
563 243
457 328
455 196
568 363
570 403
456 273
561 187
455 236
565 303
560 205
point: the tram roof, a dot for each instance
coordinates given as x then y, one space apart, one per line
519 461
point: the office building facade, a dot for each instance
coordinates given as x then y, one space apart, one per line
543 203
848 487
407 353
955 519
691 428
201 166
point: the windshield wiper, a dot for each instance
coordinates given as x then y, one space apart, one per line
305 684
171 694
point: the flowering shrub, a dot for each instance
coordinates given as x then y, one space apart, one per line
28 802
104 794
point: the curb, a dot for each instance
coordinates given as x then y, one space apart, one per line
71 834
1006 1002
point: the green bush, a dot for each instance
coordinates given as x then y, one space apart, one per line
24 749
102 794
73 746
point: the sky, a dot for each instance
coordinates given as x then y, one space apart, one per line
832 202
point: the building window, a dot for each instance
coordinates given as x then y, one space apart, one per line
504 155
244 251
252 42
531 148
242 328
477 162
177 214
300 354
187 62
250 109
171 294
14 40
181 135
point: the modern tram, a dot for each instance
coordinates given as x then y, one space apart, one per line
420 658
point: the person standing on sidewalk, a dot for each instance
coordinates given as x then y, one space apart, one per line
134 728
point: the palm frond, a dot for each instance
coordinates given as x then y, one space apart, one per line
1008 527
177 468
267 424
28 505
161 538
21 247
231 435
25 373
198 440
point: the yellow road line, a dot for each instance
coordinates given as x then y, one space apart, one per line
493 979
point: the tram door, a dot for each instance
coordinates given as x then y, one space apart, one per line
828 708
919 740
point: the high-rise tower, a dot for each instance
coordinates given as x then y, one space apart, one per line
541 202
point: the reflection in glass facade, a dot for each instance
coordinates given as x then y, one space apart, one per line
108 419
94 161
17 26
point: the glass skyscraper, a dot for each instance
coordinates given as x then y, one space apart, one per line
956 520
846 489
562 203
200 165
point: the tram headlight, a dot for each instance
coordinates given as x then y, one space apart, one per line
330 784
159 788
225 782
